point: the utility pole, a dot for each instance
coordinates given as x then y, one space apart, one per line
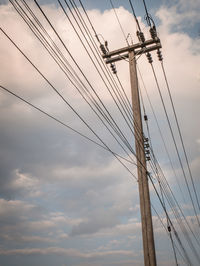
145 206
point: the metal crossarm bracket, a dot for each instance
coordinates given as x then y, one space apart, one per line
138 49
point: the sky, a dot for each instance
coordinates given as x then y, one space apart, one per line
64 200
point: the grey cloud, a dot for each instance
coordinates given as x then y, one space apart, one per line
95 224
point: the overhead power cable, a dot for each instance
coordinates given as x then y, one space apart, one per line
136 126
168 192
180 134
130 147
136 20
175 144
118 96
61 66
176 235
96 35
121 93
79 68
117 17
147 14
170 236
178 214
62 123
68 104
161 134
163 187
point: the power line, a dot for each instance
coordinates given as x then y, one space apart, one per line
68 104
136 20
147 14
172 202
119 98
172 134
96 35
62 123
81 72
117 17
161 134
174 247
176 235
161 189
126 98
73 82
77 65
87 31
180 134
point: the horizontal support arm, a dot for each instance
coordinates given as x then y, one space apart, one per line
136 52
131 48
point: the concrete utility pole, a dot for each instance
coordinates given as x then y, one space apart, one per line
145 205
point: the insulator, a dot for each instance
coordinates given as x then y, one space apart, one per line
103 49
146 145
153 32
113 68
149 57
160 58
169 229
145 117
146 139
147 152
141 37
148 158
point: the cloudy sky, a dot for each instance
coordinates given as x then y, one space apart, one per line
63 199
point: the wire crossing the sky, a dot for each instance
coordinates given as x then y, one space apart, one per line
68 104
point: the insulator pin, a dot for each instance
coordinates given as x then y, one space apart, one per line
145 117
169 229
